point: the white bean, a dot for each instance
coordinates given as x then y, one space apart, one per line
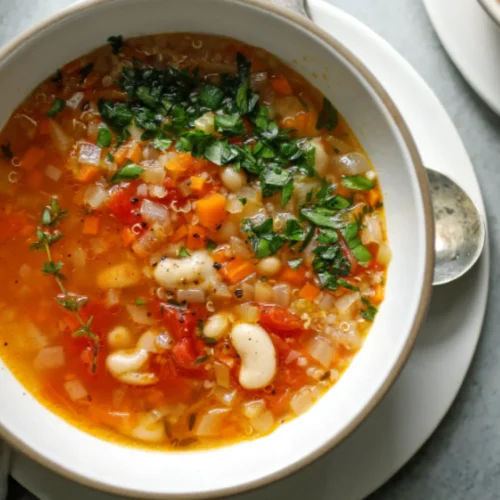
150 429
270 266
121 275
126 367
217 326
120 337
258 356
196 271
232 180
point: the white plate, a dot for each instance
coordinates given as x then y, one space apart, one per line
429 383
472 40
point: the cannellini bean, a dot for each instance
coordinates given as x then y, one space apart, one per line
125 367
321 159
120 337
269 266
196 271
147 340
233 180
121 275
258 355
217 326
138 378
150 429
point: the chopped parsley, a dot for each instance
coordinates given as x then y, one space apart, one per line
127 173
57 106
104 137
116 43
262 238
357 183
370 312
328 117
183 253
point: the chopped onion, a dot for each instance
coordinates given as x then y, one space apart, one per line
112 297
282 295
157 191
292 356
225 396
210 424
352 164
326 300
341 146
240 248
62 141
49 358
95 196
154 175
249 193
154 212
384 254
25 271
36 339
302 189
222 291
321 350
302 401
98 246
89 154
263 423
142 190
234 206
372 232
227 230
192 296
139 314
135 132
53 173
79 257
221 375
75 100
263 292
75 390
346 301
252 409
248 314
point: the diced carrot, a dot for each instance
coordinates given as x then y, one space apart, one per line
90 81
211 210
180 163
128 236
237 270
373 197
35 179
304 123
379 295
197 184
282 86
295 277
32 157
197 237
107 94
179 234
120 154
309 292
220 256
91 225
86 173
134 152
43 127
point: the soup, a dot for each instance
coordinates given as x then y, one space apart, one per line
192 242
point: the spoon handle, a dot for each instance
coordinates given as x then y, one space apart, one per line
298 6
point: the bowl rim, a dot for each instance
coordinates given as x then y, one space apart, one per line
492 8
82 6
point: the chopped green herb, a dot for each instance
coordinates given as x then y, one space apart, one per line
7 151
220 152
294 231
211 96
211 245
243 201
328 117
140 302
287 192
85 71
263 239
162 143
71 301
295 263
116 43
321 217
357 183
53 268
184 253
209 340
127 173
202 359
110 158
370 312
104 137
57 106
229 125
347 285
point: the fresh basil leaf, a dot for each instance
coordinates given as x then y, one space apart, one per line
328 236
57 106
116 43
273 180
294 231
210 96
183 253
262 238
127 173
308 238
321 217
347 285
328 117
357 183
104 137
116 114
295 263
370 312
162 143
220 152
361 253
230 125
287 192
244 83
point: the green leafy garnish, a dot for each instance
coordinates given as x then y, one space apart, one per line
230 125
71 302
328 117
104 137
211 245
202 359
294 231
262 238
183 253
322 217
127 173
370 312
85 71
210 96
57 106
295 263
116 43
162 143
140 302
357 183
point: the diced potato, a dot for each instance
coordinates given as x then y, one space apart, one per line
119 276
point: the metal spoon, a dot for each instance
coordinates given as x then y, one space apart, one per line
459 227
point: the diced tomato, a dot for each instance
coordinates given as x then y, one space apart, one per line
280 321
184 353
181 323
123 204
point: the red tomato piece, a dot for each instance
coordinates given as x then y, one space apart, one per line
124 204
181 322
280 321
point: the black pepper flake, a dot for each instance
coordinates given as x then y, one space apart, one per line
5 344
217 266
218 227
134 200
196 235
155 264
238 293
144 224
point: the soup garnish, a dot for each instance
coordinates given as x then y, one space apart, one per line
192 242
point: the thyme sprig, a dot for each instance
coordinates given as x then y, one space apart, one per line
47 235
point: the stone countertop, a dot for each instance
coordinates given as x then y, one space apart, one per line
461 461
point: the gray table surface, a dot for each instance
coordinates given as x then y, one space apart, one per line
462 458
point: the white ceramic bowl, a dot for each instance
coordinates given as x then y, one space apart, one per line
374 119
492 7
